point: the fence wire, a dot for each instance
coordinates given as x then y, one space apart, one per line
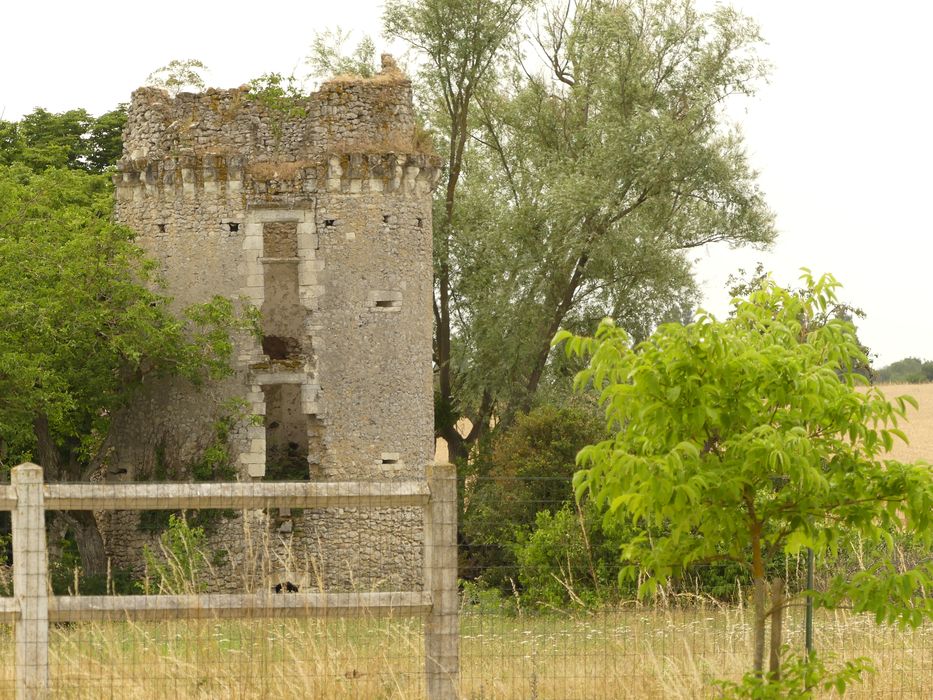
541 611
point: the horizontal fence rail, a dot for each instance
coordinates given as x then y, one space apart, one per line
138 608
31 608
175 496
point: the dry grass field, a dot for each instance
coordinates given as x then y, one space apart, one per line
919 427
634 653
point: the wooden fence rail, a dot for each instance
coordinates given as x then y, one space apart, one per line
31 608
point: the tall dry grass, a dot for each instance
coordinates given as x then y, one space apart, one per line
621 653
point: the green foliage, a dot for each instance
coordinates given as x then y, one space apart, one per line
329 57
574 190
910 370
72 139
82 327
527 470
572 557
280 93
214 464
178 76
747 439
801 677
182 563
477 597
79 331
67 576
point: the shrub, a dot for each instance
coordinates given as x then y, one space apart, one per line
572 556
527 470
183 561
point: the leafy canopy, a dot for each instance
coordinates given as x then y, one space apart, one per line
753 436
79 328
577 178
72 139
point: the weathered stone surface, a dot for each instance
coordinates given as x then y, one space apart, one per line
319 217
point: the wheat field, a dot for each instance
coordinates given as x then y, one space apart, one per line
919 424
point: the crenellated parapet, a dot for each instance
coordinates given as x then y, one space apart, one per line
414 174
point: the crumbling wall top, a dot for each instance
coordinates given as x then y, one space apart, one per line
346 114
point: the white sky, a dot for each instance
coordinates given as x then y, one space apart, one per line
841 135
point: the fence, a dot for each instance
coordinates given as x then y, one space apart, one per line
31 608
542 616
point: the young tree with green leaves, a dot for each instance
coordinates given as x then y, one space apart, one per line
81 329
179 75
751 437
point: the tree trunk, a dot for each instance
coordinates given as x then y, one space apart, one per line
777 625
83 523
89 541
760 596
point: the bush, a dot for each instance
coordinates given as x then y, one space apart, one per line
183 561
527 470
572 556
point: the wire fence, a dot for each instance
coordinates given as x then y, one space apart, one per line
541 612
545 615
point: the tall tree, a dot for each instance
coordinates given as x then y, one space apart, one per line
80 329
72 139
749 438
461 43
578 177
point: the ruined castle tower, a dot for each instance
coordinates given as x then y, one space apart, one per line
319 215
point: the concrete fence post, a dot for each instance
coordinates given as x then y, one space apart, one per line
30 584
442 628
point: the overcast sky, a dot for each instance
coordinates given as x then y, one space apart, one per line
840 135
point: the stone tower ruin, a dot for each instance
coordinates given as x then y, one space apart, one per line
317 213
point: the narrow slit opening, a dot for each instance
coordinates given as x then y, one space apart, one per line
388 303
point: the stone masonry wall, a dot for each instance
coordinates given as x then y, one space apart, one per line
321 218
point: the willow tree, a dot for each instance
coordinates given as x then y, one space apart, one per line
579 174
751 438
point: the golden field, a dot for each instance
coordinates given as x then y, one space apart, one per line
919 426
